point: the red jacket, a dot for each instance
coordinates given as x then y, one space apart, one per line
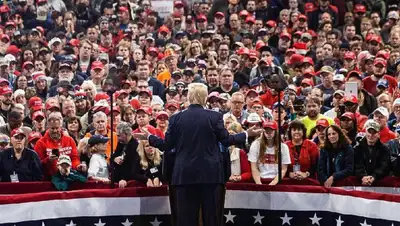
309 154
66 146
386 135
244 167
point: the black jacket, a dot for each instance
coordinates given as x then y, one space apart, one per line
371 161
125 171
28 167
369 105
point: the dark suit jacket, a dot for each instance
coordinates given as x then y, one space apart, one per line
195 134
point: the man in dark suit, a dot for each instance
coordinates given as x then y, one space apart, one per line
198 174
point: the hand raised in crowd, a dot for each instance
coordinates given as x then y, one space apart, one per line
119 160
254 131
82 167
122 184
64 171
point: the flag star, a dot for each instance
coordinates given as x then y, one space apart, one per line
286 219
155 222
392 224
258 218
339 221
100 223
315 219
365 223
127 223
229 217
42 224
71 224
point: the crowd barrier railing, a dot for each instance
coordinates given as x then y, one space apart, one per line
45 186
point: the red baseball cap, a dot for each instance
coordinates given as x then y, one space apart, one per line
34 135
284 34
359 8
5 90
162 113
302 16
250 19
97 65
37 114
379 60
16 132
50 105
353 74
270 124
349 55
147 91
307 81
35 103
101 96
135 103
26 63
172 104
120 92
178 4
145 109
259 45
219 14
322 122
307 60
349 115
243 51
243 13
270 23
352 99
163 29
384 54
201 17
374 37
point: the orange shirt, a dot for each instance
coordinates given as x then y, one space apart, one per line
115 143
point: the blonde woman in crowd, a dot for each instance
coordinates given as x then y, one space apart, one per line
149 169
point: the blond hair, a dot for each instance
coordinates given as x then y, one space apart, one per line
83 145
144 161
197 94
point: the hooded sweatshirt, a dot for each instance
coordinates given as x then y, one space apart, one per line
66 146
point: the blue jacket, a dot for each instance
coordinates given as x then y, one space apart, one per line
342 160
195 134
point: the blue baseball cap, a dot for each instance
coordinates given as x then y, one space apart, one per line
383 82
276 104
97 139
397 129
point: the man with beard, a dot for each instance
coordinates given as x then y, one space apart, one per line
65 73
313 106
370 82
6 101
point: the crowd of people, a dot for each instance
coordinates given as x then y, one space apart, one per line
78 80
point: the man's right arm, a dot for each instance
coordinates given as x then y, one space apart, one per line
169 141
